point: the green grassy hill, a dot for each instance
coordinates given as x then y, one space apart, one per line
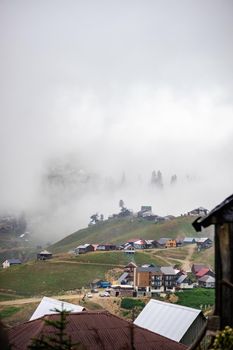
65 272
119 230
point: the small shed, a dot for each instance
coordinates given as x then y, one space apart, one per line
10 262
44 255
222 218
207 281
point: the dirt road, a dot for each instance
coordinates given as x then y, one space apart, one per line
37 300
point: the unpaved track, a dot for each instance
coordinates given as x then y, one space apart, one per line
37 300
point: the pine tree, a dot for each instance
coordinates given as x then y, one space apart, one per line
59 340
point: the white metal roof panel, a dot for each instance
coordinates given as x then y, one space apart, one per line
170 320
47 305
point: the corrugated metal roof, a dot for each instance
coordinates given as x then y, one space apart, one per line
122 277
181 279
44 252
201 240
148 269
207 278
94 330
170 320
48 305
168 270
202 272
14 261
163 240
83 246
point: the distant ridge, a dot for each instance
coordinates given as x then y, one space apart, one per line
119 230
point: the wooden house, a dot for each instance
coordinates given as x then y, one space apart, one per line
106 247
197 267
44 255
204 243
161 243
84 248
206 281
171 243
11 262
147 279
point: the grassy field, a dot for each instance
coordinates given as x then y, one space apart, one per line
117 258
197 298
8 311
49 278
120 230
65 272
205 257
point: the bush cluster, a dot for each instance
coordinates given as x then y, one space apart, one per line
129 303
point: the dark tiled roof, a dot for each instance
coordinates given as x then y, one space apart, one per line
95 330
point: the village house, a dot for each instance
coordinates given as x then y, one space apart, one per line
171 243
189 240
140 244
205 271
184 282
146 210
84 248
207 281
197 267
124 290
162 242
128 249
106 247
170 276
129 269
180 323
44 255
198 211
148 279
11 262
150 243
204 243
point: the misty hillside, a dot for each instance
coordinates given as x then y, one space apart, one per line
119 230
15 241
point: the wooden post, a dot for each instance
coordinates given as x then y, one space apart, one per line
224 273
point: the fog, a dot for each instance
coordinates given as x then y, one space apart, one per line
91 90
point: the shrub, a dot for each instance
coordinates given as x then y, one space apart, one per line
129 303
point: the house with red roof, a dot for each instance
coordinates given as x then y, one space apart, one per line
205 271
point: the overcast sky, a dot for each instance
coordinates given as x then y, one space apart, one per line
122 85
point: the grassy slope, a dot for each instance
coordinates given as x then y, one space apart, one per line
120 230
117 258
66 273
48 278
196 298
